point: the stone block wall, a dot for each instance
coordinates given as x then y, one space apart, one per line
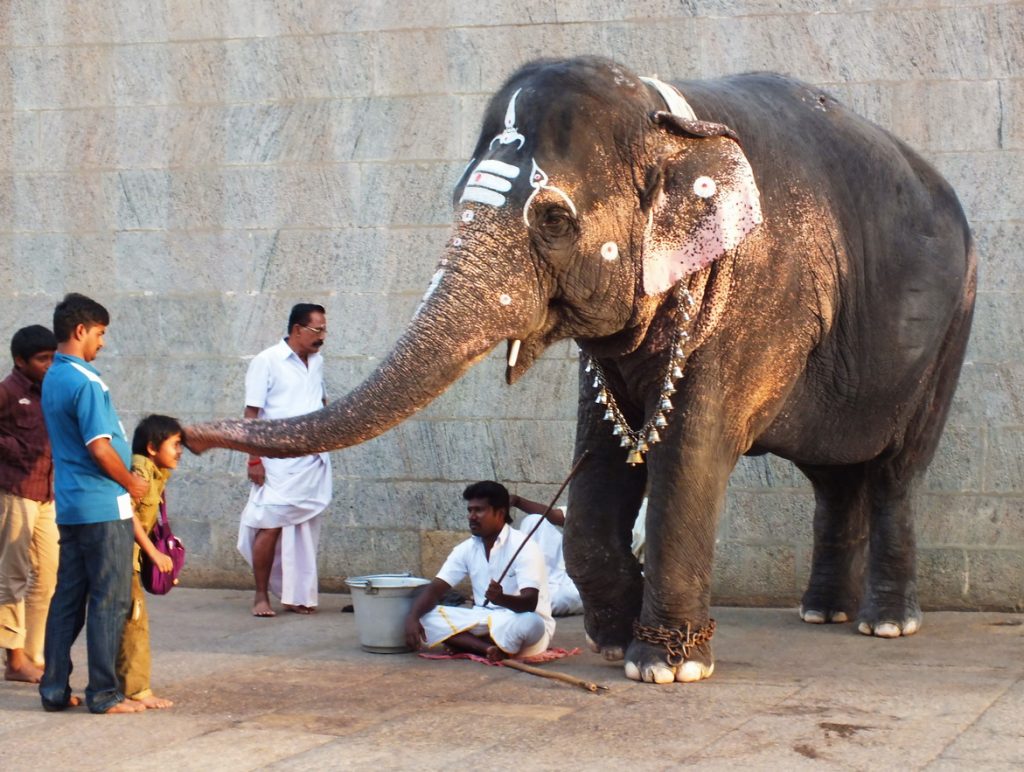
200 166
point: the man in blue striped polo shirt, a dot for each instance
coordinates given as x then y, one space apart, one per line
93 488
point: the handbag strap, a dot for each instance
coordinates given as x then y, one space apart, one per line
163 510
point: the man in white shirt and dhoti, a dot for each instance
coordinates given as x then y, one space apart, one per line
280 526
508 619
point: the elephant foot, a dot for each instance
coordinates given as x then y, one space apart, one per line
610 653
609 630
889 628
650 664
815 616
890 621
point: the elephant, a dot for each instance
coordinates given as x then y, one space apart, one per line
747 267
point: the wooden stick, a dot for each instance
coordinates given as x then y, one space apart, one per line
572 473
554 674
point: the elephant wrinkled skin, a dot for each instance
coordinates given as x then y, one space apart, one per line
816 274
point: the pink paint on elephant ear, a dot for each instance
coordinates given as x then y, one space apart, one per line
690 226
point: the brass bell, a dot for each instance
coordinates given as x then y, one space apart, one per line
635 457
609 415
666 405
677 371
659 421
668 387
587 368
641 447
616 431
625 442
653 436
680 351
602 398
597 382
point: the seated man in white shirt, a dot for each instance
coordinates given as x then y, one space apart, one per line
565 598
509 619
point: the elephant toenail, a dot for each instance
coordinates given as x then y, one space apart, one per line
662 675
887 630
690 672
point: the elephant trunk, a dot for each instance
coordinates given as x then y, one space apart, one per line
461 319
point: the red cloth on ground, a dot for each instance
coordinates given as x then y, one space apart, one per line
537 659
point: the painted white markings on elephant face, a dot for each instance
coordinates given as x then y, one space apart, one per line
467 215
510 134
610 251
488 181
505 299
539 182
704 187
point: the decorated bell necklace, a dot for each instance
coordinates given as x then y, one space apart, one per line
639 441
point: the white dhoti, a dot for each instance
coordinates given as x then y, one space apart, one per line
293 497
516 634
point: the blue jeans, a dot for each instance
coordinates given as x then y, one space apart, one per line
94 574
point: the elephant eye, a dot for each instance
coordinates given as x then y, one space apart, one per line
557 223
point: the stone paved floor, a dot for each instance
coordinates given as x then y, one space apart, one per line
298 693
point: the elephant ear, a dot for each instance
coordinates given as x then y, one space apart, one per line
702 201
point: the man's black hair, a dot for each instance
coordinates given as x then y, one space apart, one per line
153 430
76 309
29 341
494 493
300 314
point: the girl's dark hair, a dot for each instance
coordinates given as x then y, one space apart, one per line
153 430
29 341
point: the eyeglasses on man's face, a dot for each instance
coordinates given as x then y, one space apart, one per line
315 330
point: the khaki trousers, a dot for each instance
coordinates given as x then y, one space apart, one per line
134 662
28 572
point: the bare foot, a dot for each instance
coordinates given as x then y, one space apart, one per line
300 609
494 654
261 608
128 706
27 673
152 702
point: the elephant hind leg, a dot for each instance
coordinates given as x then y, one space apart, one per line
840 541
890 608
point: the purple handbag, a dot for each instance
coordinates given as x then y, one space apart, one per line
154 580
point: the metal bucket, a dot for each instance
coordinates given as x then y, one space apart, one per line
382 602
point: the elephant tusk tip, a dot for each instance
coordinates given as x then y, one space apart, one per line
513 352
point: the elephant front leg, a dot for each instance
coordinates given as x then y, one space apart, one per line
603 502
672 637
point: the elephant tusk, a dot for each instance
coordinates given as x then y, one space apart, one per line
513 354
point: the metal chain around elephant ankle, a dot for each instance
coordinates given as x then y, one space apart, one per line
676 640
639 441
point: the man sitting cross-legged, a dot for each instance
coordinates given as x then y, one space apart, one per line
509 619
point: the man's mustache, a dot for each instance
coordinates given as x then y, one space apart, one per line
317 343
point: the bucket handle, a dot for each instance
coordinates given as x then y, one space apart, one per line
366 582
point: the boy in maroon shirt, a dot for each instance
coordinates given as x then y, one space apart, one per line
28 530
